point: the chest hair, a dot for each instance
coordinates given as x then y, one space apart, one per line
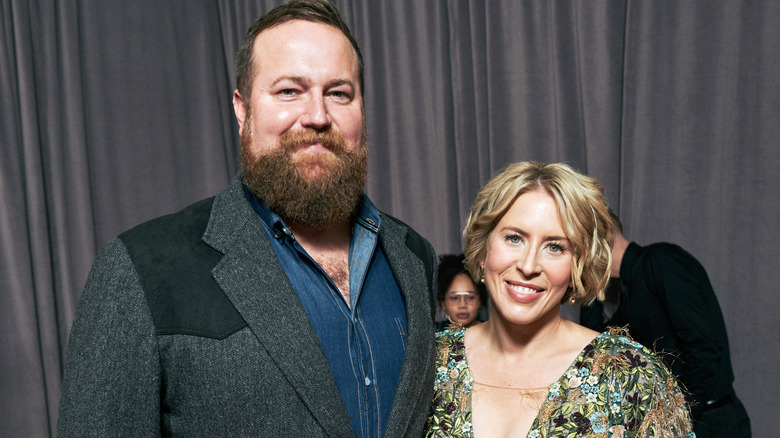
336 265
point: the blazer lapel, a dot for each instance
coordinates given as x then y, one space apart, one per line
415 383
253 279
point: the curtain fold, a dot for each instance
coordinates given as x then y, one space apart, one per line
115 112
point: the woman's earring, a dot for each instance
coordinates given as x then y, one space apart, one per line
482 274
570 292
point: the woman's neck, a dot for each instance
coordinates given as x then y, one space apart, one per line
527 339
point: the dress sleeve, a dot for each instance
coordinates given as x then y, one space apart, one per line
450 412
653 404
111 385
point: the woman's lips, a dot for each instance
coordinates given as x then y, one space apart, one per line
523 293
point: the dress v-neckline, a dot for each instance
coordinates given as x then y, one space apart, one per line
578 358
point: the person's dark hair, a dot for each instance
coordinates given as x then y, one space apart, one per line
616 221
318 11
451 265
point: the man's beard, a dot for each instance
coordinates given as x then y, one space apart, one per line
312 190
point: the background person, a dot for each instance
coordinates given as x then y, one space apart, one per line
288 305
664 296
538 235
459 296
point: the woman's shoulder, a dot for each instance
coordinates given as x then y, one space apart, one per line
450 340
615 352
451 333
617 342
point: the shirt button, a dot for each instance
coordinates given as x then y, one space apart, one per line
368 381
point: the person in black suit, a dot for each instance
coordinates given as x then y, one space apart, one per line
665 297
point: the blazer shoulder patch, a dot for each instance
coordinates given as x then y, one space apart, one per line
175 265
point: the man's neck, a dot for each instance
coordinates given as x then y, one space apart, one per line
323 238
618 250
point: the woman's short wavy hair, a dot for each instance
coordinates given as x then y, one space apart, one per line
582 208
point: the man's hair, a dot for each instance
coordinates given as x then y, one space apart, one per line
451 265
616 221
582 209
318 11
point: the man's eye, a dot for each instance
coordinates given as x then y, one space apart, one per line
341 96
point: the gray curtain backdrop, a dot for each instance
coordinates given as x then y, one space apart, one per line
113 112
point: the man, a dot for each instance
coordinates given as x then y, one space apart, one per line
664 296
287 305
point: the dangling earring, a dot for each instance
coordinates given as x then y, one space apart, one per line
570 292
482 274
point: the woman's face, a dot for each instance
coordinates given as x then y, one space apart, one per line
461 302
528 261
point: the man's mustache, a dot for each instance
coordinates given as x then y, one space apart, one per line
333 141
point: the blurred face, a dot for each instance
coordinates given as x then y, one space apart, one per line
461 302
528 262
302 137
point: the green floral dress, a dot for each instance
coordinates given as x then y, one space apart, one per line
615 388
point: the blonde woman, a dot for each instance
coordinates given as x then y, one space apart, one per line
539 235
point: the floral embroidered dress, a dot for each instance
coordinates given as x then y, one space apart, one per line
615 388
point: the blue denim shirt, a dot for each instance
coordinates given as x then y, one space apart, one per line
363 341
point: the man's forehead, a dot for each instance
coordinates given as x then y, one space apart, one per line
304 43
289 32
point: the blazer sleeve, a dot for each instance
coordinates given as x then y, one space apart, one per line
111 385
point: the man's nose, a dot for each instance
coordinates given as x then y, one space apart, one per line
316 114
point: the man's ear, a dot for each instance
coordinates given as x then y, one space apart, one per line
239 108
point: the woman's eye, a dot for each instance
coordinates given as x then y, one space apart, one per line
556 248
513 238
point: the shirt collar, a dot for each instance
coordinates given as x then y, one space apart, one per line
368 215
628 261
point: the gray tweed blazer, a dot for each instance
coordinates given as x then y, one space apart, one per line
188 326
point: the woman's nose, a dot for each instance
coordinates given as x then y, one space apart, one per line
528 263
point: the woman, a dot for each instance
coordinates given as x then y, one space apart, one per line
459 296
539 235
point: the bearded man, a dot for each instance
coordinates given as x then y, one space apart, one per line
287 305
